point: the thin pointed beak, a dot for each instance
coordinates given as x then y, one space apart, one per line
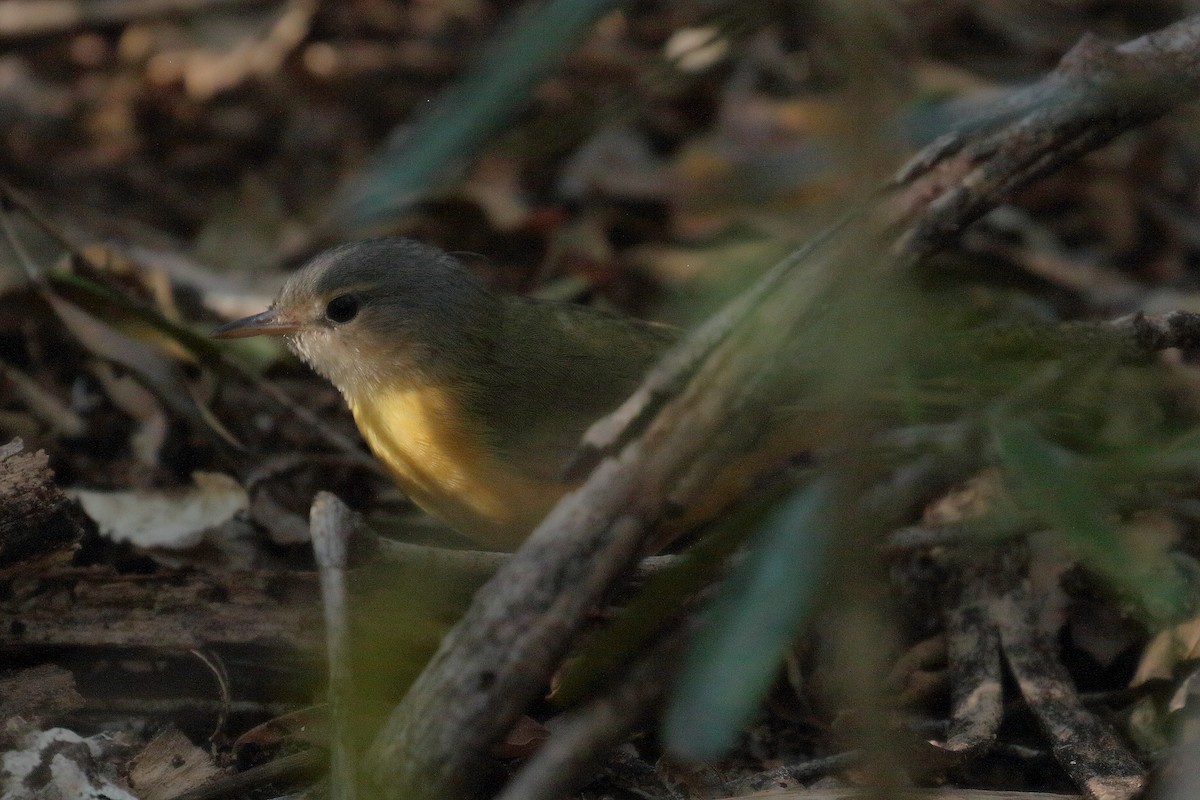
268 323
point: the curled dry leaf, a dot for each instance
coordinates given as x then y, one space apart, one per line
525 738
972 500
173 519
139 403
1168 649
303 727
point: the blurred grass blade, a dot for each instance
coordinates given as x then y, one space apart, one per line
1053 483
158 372
660 602
468 112
1179 454
108 304
738 648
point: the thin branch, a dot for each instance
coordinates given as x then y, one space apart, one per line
585 734
332 525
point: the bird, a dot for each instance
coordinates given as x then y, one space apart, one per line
471 398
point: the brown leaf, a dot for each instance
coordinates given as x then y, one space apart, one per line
525 738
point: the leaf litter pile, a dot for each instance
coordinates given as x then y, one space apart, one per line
980 572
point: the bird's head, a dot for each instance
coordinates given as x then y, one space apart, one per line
379 310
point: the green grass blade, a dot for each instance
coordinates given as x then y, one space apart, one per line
1053 483
661 601
736 653
471 110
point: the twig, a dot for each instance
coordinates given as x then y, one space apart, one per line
586 733
1131 338
803 772
331 525
988 529
286 768
1097 92
1085 748
974 654
481 563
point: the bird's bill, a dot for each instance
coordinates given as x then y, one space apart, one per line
267 323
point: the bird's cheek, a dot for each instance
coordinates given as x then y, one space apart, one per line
308 350
295 343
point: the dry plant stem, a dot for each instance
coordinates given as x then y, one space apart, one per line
918 537
1085 748
480 563
905 794
291 768
974 653
586 733
332 524
221 676
1097 92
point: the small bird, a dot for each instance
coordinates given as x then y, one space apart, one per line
472 399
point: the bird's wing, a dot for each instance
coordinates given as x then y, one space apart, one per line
557 370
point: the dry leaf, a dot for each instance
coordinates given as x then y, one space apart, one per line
169 766
174 519
972 500
1166 650
525 738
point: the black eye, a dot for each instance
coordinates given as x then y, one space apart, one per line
343 308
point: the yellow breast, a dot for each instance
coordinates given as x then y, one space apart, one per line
441 460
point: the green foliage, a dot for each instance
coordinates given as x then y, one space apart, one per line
747 628
1055 483
660 602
